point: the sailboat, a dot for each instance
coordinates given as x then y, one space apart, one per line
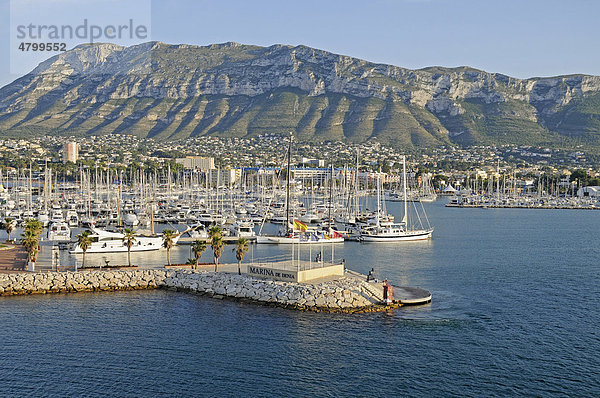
298 232
387 231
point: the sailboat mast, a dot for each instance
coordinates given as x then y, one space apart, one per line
287 193
356 187
404 218
330 196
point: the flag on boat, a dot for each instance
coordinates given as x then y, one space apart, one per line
336 234
300 226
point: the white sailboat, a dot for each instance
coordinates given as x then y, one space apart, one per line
387 231
302 235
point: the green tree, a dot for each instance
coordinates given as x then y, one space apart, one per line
84 241
35 226
129 240
240 248
168 242
198 247
581 176
216 244
30 241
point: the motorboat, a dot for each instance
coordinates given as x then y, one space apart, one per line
131 219
242 229
112 242
72 218
197 231
43 218
59 231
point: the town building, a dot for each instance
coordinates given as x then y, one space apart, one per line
224 177
70 152
589 191
197 163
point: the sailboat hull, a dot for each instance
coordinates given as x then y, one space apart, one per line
296 240
405 236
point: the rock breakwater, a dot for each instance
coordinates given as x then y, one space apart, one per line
345 294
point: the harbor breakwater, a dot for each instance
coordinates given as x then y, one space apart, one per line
345 294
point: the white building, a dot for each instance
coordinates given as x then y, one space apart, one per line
198 163
591 191
224 177
70 152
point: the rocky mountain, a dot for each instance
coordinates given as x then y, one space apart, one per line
170 92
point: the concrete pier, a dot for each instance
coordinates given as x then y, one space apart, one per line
13 258
411 295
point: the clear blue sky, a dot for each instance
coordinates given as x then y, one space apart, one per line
516 37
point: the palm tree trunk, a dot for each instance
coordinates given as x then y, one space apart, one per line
216 263
169 256
82 262
129 256
196 266
239 267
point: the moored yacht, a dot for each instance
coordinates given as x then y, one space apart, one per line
59 231
72 218
112 242
242 229
381 228
393 232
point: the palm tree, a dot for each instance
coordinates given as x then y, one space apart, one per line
84 241
216 244
168 242
9 226
198 247
30 241
240 248
129 240
30 238
35 226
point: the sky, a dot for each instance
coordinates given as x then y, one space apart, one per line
519 38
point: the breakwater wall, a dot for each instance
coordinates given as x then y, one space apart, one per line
345 294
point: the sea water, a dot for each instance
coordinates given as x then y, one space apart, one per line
514 312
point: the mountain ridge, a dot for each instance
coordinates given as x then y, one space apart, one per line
170 92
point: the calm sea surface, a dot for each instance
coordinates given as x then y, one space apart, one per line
515 312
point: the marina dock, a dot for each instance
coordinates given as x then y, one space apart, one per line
516 206
185 240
